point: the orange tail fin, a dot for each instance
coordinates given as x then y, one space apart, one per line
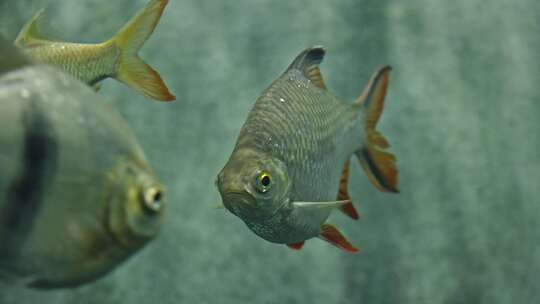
132 70
379 165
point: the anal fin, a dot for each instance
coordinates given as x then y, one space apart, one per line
330 234
343 194
296 246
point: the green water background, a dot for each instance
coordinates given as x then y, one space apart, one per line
462 115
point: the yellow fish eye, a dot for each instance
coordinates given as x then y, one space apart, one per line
264 182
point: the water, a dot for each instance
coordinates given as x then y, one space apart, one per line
461 115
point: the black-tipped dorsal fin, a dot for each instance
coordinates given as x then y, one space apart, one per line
308 63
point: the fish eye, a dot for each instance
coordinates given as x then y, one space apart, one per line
153 199
264 182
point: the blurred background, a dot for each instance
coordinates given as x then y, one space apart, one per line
462 116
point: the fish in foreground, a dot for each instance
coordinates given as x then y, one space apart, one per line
77 196
116 57
291 159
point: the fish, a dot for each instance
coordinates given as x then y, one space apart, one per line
117 57
290 164
77 195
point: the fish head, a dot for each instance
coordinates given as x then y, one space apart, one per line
76 209
135 205
253 184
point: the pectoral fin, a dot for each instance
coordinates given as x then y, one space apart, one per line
330 234
296 246
343 194
318 205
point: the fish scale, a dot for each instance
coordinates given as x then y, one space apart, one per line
314 124
89 63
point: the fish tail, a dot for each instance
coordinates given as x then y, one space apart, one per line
379 164
132 70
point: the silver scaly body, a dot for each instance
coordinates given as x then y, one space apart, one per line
314 134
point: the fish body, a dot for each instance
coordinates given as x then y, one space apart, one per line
288 164
90 63
116 57
77 196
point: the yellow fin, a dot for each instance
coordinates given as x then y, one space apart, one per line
132 70
29 34
379 165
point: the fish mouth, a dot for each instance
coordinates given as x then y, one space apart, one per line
239 203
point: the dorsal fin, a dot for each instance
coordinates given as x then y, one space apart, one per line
308 63
29 34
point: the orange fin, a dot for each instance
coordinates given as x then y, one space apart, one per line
132 70
349 210
296 246
379 165
308 63
343 194
330 234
